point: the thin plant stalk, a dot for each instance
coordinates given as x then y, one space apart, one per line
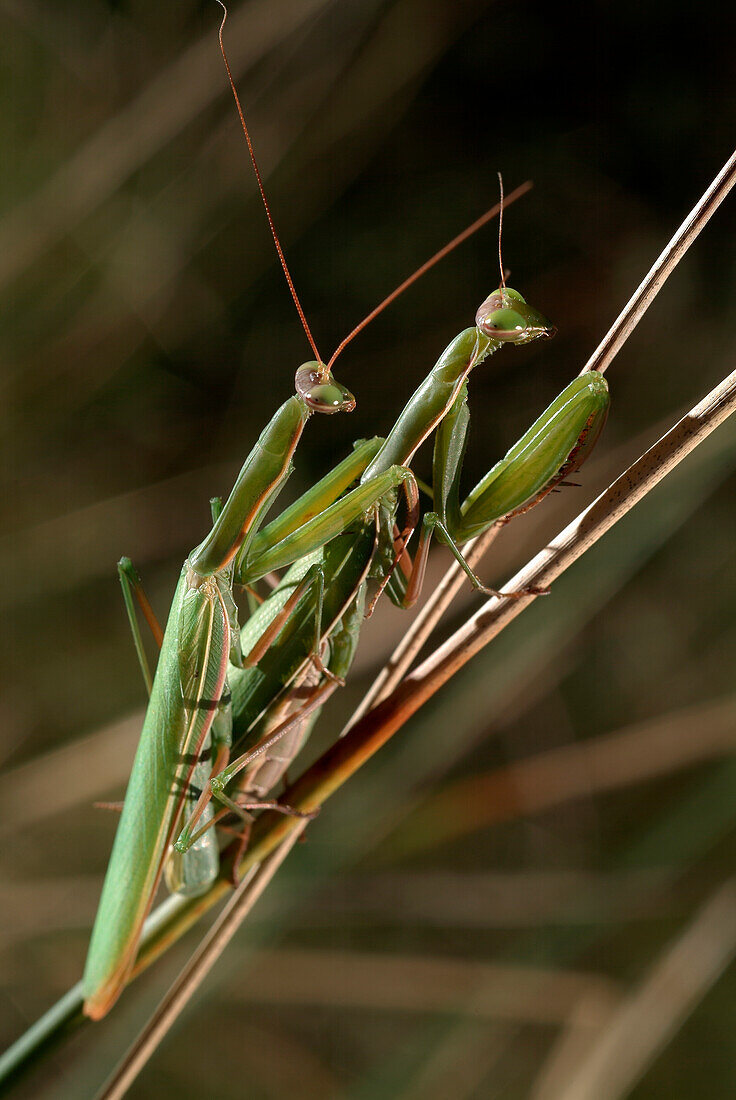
663 267
197 968
624 1048
422 626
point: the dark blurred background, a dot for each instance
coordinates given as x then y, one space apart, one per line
527 894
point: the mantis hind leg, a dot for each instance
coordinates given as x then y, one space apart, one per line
132 587
432 523
243 835
133 590
401 561
315 575
285 733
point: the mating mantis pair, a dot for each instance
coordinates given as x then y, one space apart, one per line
219 690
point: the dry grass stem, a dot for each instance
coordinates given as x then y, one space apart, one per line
650 1016
354 980
66 777
197 968
126 141
421 628
613 761
421 983
653 282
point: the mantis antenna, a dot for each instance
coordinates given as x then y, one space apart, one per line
444 251
500 228
440 255
261 188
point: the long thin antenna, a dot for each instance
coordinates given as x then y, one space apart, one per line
500 229
478 224
254 162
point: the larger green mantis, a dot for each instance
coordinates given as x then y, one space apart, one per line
188 690
557 443
206 696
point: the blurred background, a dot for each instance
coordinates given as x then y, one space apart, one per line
528 893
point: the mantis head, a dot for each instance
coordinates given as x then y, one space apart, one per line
506 316
320 391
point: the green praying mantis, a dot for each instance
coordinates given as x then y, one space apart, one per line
223 698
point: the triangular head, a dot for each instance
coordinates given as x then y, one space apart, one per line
506 315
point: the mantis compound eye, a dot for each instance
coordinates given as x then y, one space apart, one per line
320 391
506 316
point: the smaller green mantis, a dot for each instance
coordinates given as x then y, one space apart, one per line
556 445
187 691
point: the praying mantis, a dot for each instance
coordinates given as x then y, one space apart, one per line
218 689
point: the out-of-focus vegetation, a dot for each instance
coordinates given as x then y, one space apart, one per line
423 942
